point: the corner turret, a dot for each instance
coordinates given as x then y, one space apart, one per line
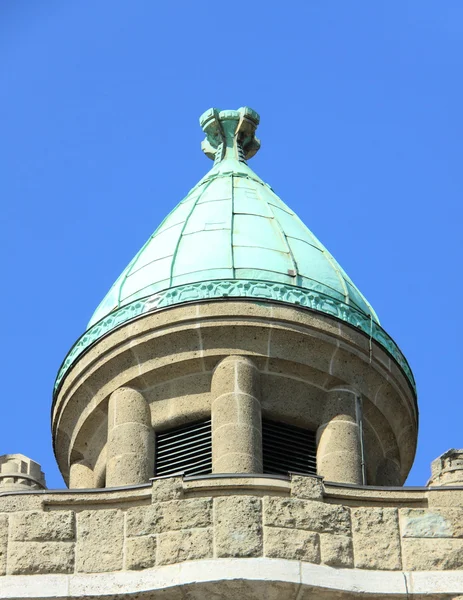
20 473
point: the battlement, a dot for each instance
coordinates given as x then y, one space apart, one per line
18 472
447 469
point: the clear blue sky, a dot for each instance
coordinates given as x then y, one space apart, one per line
361 129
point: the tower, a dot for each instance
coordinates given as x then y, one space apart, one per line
234 423
233 325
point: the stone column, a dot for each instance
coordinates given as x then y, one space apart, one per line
130 449
236 417
81 476
339 449
388 473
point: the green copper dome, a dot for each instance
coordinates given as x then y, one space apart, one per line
231 227
232 236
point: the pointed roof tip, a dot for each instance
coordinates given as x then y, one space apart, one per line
230 133
229 114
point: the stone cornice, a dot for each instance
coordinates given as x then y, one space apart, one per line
233 289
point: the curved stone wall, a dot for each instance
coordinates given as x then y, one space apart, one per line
306 361
349 534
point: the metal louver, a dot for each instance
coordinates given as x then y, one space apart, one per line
186 449
288 448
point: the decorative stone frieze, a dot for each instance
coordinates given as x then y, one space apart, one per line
210 290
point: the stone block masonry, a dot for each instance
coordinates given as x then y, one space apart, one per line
238 526
100 540
176 521
376 538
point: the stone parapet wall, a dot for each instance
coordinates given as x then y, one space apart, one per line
177 520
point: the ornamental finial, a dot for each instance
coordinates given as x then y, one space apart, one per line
230 133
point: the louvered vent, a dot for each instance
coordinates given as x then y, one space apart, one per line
288 448
186 449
